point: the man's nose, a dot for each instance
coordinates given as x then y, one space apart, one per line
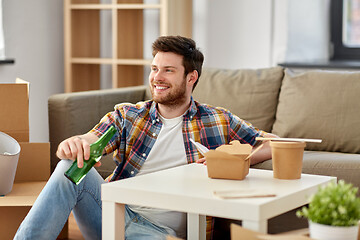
158 75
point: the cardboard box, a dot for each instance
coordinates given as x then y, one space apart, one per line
172 238
33 169
34 162
14 110
229 161
240 233
31 176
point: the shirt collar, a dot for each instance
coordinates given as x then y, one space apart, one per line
192 109
154 115
190 113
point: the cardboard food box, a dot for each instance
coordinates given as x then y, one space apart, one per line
239 233
14 110
229 161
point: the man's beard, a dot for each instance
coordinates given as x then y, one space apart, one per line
174 98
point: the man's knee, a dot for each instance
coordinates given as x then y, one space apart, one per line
58 174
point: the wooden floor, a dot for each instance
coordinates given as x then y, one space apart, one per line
74 231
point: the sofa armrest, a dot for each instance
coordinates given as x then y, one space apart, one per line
76 113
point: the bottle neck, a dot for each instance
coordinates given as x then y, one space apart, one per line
100 144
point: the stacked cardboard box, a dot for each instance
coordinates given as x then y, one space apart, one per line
33 168
238 233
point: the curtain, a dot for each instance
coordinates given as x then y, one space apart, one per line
2 42
301 31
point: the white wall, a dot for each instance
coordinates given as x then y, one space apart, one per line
231 33
234 33
33 33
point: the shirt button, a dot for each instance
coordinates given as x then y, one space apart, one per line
157 120
153 121
154 134
144 154
132 172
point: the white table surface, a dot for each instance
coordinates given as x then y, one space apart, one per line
189 189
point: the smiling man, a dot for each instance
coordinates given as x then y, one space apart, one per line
169 84
151 136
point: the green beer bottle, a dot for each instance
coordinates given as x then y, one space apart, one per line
76 174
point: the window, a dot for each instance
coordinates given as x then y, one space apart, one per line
345 29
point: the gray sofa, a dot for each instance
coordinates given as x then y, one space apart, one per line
313 104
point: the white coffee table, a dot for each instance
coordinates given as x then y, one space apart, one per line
188 189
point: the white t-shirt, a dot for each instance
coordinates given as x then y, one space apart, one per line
167 152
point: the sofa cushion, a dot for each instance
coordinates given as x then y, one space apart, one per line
321 104
250 94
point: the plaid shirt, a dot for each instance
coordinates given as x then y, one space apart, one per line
138 126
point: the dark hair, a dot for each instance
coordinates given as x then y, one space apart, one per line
186 47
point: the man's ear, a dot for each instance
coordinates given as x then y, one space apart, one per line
193 77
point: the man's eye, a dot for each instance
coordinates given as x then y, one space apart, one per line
169 70
154 69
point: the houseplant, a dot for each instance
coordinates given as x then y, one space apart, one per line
333 212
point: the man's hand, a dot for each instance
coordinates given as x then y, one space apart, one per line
201 161
264 153
77 147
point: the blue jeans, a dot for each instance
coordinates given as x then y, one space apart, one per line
60 196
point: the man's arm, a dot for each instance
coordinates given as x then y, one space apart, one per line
77 147
264 153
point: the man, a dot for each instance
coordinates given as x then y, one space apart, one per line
152 136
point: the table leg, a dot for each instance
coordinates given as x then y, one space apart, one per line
113 221
196 226
259 226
